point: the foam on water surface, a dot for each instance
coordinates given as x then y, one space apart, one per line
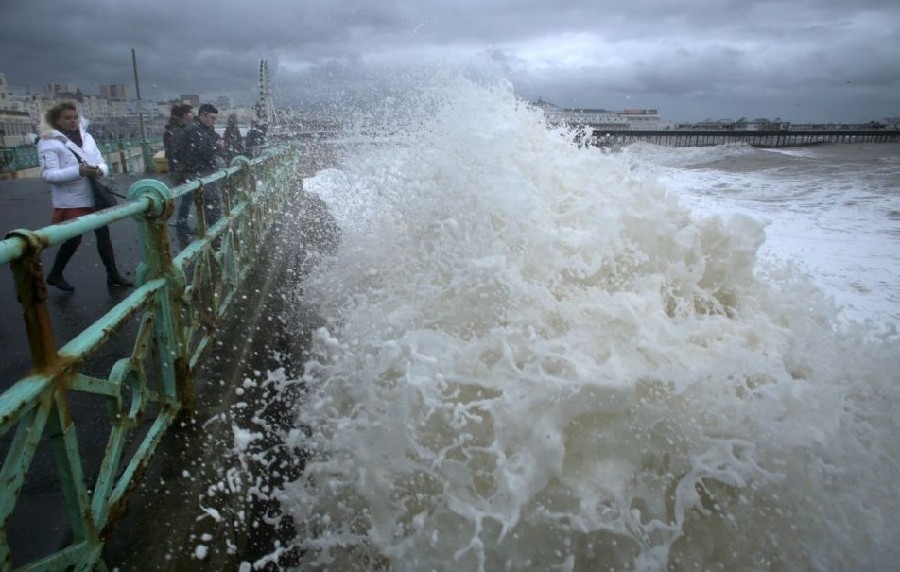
830 210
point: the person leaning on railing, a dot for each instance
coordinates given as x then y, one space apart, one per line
256 138
68 156
198 147
232 141
181 114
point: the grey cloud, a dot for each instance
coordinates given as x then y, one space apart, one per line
809 58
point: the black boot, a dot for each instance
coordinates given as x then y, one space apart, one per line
105 249
65 253
119 280
60 283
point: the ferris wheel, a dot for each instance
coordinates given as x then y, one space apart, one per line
265 107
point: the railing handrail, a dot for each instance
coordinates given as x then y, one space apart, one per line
14 245
21 157
178 302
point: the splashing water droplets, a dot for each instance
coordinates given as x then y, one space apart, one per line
535 358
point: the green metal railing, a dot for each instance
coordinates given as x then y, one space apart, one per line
19 158
177 304
24 157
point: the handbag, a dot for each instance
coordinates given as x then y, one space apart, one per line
104 196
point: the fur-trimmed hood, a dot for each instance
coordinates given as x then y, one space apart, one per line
48 132
52 134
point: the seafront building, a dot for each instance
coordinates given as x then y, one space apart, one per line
650 120
16 125
113 113
624 120
647 120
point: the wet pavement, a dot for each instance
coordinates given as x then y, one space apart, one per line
25 204
160 530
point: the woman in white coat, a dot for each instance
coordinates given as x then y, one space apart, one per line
69 157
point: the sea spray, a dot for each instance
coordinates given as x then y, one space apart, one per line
535 357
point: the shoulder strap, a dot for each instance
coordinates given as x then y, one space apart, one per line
78 154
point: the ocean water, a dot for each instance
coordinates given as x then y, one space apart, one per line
832 209
540 356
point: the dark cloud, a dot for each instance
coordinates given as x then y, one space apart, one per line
806 60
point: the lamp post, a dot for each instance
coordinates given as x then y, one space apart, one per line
149 166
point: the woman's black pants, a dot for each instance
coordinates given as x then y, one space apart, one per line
104 247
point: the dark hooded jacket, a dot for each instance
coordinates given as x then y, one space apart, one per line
196 150
170 139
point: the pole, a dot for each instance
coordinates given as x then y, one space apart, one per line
149 166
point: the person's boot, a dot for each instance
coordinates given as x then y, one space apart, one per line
60 282
105 249
118 280
65 253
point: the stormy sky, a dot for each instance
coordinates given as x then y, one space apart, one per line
800 60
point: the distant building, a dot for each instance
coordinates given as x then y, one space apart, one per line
224 103
117 92
627 119
557 115
91 107
163 108
16 128
16 125
760 124
642 119
112 114
190 98
61 90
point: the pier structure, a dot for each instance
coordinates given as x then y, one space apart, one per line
773 138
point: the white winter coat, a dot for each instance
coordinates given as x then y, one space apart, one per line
59 167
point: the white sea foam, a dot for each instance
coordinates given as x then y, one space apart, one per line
536 357
831 210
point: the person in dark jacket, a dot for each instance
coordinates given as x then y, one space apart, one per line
232 140
197 149
256 138
180 115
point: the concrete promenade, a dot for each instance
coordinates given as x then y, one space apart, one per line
25 203
186 461
161 529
